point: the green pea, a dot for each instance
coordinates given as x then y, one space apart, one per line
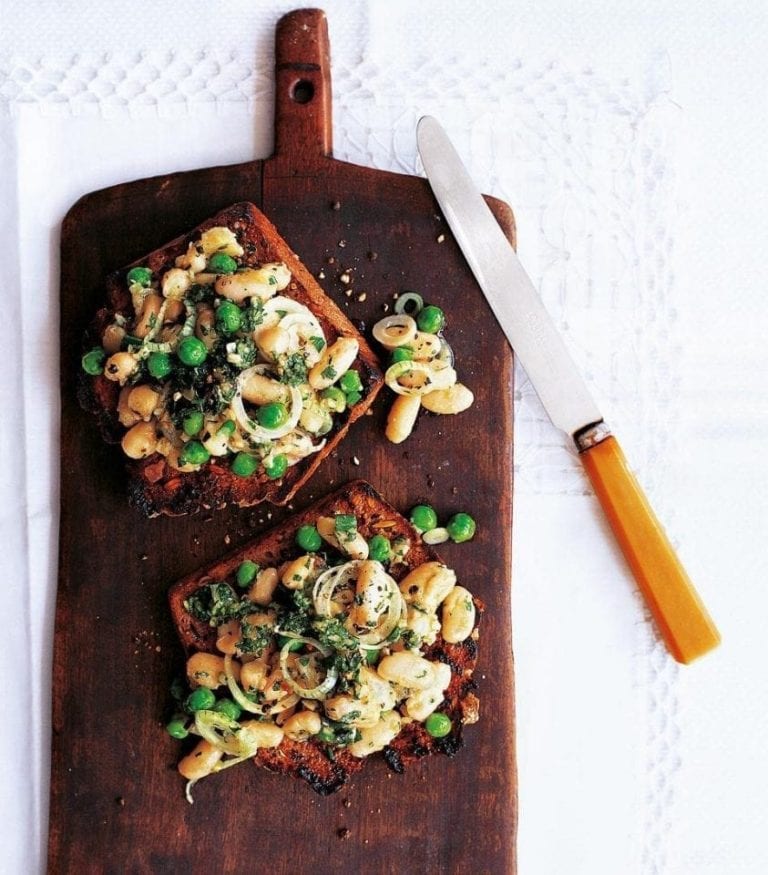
193 453
140 275
334 399
308 538
402 354
228 708
438 725
461 527
192 352
159 364
246 573
379 549
229 317
431 319
350 382
372 656
220 262
353 398
272 415
93 361
193 422
201 699
277 467
424 518
177 727
227 427
244 465
282 640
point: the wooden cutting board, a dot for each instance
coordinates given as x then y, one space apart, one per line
117 803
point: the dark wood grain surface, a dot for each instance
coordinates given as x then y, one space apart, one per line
117 803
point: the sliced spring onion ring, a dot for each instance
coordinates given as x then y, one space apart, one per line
446 353
377 637
300 327
329 581
189 323
237 693
435 377
224 734
297 446
284 704
264 435
321 690
409 303
394 331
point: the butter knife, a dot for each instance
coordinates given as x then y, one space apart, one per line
680 615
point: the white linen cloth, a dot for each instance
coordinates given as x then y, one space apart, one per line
631 147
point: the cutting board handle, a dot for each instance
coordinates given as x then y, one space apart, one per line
303 119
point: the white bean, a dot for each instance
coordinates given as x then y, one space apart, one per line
220 239
427 585
420 705
402 417
425 346
407 670
298 572
143 400
253 283
200 762
265 734
264 586
355 547
302 726
112 338
140 441
335 360
370 589
258 389
206 670
175 283
377 737
454 399
458 615
120 366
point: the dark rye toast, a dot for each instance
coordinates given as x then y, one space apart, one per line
153 485
308 759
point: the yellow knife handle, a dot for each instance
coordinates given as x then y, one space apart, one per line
683 621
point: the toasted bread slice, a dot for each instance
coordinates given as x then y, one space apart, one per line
308 759
154 486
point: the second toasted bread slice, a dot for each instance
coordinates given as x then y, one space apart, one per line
326 767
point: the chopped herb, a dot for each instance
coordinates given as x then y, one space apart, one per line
252 316
197 293
255 637
293 370
272 280
215 604
317 342
328 373
345 522
282 313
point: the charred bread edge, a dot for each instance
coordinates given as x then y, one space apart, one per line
99 396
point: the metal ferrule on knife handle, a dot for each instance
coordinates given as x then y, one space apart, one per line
682 619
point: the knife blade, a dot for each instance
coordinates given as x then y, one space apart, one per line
680 615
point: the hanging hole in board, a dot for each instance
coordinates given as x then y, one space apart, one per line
303 91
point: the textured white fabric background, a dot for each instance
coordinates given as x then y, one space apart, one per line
630 142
